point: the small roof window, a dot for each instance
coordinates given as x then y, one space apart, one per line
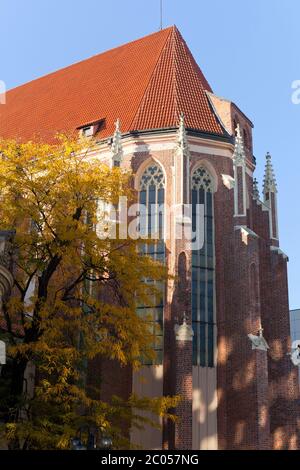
87 131
92 128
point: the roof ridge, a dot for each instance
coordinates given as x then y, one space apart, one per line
74 64
177 111
152 74
193 62
196 70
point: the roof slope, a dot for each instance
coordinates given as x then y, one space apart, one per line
146 83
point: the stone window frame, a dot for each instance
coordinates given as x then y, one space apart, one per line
153 176
203 183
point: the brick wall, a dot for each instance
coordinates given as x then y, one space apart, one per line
184 388
257 391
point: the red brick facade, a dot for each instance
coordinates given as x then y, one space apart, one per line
257 390
184 387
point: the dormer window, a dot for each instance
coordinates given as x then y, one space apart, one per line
91 129
87 131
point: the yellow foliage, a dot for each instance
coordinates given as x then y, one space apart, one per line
75 294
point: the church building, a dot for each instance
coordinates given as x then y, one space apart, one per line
151 110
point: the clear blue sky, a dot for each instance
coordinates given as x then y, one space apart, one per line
249 52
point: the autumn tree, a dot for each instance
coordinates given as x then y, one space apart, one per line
75 294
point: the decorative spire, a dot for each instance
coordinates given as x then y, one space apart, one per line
184 332
183 162
259 342
260 331
270 198
240 186
116 148
270 185
256 195
182 137
239 156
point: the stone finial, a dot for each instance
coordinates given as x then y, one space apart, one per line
181 135
116 148
260 330
239 167
256 195
184 332
239 155
182 166
259 342
270 185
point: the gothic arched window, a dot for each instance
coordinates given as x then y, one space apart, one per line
151 200
203 272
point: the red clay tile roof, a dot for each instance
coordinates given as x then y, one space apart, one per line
146 83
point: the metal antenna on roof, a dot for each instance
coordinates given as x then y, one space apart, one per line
161 14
